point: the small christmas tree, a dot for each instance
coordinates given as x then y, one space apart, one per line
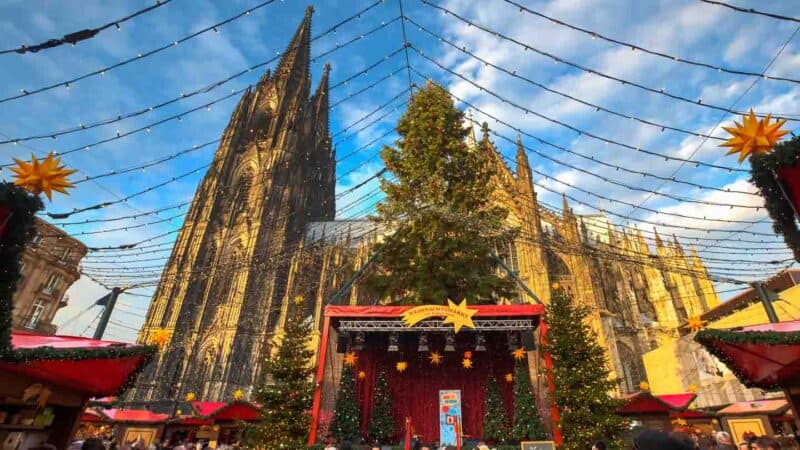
527 423
286 389
447 227
344 426
495 418
582 383
381 422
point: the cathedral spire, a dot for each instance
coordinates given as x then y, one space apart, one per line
321 104
472 138
565 205
298 53
677 244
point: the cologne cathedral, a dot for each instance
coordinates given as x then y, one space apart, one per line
262 230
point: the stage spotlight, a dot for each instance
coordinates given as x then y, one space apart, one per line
528 343
342 342
449 343
480 343
358 342
513 342
394 342
423 343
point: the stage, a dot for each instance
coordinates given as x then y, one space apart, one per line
379 339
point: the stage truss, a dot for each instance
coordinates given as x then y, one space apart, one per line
435 325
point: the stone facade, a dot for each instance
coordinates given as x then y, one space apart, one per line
261 231
50 264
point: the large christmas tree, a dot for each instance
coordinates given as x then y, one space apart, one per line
495 418
381 421
581 376
344 426
286 389
527 423
446 228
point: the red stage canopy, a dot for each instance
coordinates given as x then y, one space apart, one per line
526 310
87 365
221 411
647 403
765 356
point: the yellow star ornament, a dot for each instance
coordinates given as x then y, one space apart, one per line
401 366
238 394
45 176
435 358
518 354
466 363
460 315
350 359
362 374
644 385
509 378
160 337
695 324
679 422
753 136
190 397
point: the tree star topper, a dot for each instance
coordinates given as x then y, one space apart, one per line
457 314
45 176
753 136
350 359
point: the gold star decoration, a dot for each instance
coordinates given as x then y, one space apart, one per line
190 396
509 378
644 385
362 374
679 422
518 354
350 359
753 136
238 394
466 363
160 337
468 354
298 299
555 286
692 388
460 316
435 358
401 366
178 412
45 176
695 324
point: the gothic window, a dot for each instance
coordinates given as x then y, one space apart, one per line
557 268
240 199
633 371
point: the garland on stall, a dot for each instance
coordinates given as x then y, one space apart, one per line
765 166
17 227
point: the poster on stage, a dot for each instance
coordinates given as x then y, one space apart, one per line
449 416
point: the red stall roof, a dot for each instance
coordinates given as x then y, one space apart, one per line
646 403
90 415
219 411
525 310
765 356
768 407
133 415
95 367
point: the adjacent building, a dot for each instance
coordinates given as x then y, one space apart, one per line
262 230
50 264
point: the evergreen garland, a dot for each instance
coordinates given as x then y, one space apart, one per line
344 426
527 422
286 389
381 423
786 154
581 376
495 418
446 225
18 231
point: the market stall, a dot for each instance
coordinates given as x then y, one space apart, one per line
760 418
46 381
657 411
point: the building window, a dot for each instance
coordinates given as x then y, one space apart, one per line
21 267
36 314
53 284
67 252
36 238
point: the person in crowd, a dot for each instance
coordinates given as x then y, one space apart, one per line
331 445
724 441
766 443
482 446
179 446
345 446
599 445
93 443
659 440
706 442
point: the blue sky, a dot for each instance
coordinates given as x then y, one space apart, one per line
684 28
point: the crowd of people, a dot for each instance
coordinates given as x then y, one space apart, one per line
108 443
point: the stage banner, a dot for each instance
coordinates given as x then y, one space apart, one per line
449 416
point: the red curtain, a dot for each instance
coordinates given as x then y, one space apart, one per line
790 176
415 392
